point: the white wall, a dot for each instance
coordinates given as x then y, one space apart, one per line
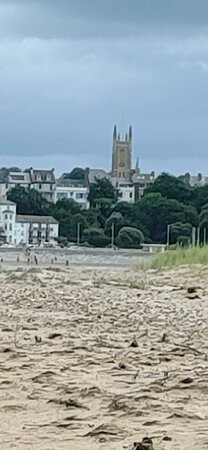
126 194
21 233
22 230
7 220
78 194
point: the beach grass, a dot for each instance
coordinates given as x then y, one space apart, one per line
180 257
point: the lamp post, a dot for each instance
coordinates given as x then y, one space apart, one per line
168 234
78 233
112 234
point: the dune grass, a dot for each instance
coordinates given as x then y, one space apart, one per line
180 257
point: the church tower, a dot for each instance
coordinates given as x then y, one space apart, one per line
122 155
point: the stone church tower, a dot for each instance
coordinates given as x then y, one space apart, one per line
121 155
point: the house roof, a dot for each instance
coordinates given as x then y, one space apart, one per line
6 202
35 219
61 182
97 173
43 174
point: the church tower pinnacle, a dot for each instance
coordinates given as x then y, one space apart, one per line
122 155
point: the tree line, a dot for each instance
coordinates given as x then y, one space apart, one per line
168 202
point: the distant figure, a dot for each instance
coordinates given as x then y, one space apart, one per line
52 261
36 260
18 260
67 263
28 261
2 260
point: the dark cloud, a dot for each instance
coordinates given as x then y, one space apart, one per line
97 18
71 69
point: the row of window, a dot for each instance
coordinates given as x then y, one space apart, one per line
6 216
8 228
121 194
78 195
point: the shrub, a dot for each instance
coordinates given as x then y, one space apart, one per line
129 237
89 234
100 241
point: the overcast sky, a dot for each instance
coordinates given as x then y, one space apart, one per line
71 69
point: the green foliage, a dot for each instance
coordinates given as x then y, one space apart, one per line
68 204
76 174
130 237
102 189
29 201
115 219
100 240
158 212
178 230
183 241
171 187
169 201
181 256
90 233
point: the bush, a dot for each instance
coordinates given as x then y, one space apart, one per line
100 241
89 234
184 241
129 237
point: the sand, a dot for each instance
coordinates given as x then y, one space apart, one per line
99 359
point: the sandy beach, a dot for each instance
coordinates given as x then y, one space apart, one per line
99 359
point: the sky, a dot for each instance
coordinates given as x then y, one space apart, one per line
72 69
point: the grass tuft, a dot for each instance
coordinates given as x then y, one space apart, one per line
180 257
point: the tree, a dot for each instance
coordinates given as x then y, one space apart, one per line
89 234
132 217
158 212
76 174
171 187
183 241
77 220
28 201
102 189
130 237
179 229
115 219
68 204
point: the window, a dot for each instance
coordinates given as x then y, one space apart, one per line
10 227
17 177
40 186
130 195
51 187
51 229
71 194
10 238
7 186
48 177
22 233
79 195
10 216
61 195
6 216
5 226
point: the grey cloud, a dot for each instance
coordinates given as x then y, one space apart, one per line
62 89
98 18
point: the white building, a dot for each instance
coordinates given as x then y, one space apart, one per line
7 220
42 181
126 193
77 193
11 180
25 229
35 229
